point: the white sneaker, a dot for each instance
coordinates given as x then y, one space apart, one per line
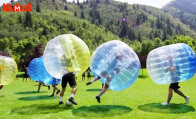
187 99
165 104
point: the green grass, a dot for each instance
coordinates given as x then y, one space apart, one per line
19 100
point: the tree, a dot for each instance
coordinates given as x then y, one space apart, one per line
19 19
78 3
45 31
66 8
139 37
158 42
28 20
123 31
0 19
12 3
75 14
65 1
107 2
38 7
97 1
131 34
138 20
164 37
82 15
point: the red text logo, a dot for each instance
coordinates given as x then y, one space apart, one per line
16 8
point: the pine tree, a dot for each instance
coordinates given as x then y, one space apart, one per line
78 3
66 8
123 31
139 37
19 19
28 20
82 15
0 19
164 37
75 14
38 7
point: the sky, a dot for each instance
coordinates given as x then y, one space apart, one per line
155 3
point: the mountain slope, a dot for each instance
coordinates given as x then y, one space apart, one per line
144 21
184 10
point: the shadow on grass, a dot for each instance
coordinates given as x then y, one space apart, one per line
101 110
172 108
143 77
39 97
2 95
40 109
29 92
93 89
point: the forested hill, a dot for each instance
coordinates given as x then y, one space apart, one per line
24 34
185 10
141 21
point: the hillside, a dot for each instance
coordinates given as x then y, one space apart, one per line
145 21
184 10
24 35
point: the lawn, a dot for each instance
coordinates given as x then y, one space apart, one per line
20 100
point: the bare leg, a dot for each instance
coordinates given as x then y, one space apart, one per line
95 79
62 91
54 89
180 93
170 94
61 95
73 92
74 89
105 88
39 86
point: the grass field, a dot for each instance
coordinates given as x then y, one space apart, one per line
20 100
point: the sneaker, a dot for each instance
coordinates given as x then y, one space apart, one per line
165 104
71 99
98 99
52 95
60 103
48 87
187 99
88 83
58 92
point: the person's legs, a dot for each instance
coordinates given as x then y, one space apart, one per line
46 86
89 78
53 91
181 94
73 92
61 95
39 86
95 79
170 94
104 89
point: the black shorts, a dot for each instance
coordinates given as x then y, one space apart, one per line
68 78
174 86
